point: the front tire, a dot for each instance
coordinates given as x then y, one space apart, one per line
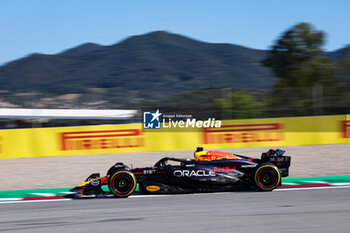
122 183
266 177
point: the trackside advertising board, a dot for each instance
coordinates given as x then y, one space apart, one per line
102 139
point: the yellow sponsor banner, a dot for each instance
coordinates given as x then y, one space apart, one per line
81 140
71 140
279 132
104 139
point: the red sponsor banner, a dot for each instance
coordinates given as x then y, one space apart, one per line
107 139
243 133
345 129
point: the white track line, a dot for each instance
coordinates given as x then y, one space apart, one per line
67 192
310 188
43 194
340 184
28 201
313 182
10 199
157 195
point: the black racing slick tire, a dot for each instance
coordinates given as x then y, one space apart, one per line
266 177
122 183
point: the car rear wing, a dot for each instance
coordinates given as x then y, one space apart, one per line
277 158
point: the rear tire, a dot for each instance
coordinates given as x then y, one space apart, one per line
122 183
266 177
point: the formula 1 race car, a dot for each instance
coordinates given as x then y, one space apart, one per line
209 171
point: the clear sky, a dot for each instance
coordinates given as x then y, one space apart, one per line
51 26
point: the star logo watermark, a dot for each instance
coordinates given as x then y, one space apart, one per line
152 120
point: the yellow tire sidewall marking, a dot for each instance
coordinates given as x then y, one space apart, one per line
256 177
132 189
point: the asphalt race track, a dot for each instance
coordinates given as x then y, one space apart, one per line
315 210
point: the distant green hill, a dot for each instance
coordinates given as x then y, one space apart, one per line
155 65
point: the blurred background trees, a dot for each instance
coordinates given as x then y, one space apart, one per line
239 105
308 81
344 64
298 61
176 74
